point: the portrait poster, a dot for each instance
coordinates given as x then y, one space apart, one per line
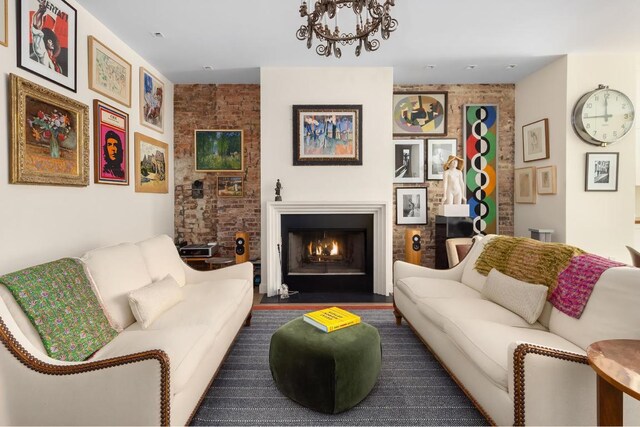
230 186
419 113
47 40
111 145
4 23
411 205
151 158
218 150
409 161
151 101
326 135
109 74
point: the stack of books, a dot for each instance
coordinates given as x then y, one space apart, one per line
331 319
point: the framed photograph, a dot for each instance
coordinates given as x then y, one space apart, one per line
535 140
327 135
419 114
151 101
438 151
110 145
525 185
546 180
230 186
109 74
219 150
601 172
49 136
4 23
151 159
411 205
47 40
409 165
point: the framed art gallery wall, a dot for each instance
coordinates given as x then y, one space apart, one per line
40 223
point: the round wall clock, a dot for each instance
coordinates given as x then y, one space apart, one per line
603 116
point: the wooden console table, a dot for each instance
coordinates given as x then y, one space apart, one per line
617 363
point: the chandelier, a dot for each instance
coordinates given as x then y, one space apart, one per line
370 16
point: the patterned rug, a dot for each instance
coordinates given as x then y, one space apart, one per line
413 389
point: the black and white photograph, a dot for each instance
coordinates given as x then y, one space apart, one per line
409 161
438 151
411 205
601 172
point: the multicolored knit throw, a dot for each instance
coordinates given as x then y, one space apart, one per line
576 283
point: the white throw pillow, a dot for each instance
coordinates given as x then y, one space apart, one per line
522 298
151 301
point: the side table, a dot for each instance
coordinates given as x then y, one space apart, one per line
197 262
219 262
617 363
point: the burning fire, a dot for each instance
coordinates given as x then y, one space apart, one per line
322 248
334 248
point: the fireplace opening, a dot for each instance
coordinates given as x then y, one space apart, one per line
327 252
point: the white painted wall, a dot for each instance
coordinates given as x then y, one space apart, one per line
280 89
544 95
43 223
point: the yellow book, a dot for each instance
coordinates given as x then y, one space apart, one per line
331 319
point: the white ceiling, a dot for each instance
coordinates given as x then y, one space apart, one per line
237 37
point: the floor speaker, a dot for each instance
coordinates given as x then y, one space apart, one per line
412 246
242 247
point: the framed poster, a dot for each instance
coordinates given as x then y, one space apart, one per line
525 185
480 136
535 141
151 159
219 150
546 181
601 172
419 113
411 205
151 101
327 135
230 186
109 74
4 23
438 151
49 136
110 145
47 40
409 161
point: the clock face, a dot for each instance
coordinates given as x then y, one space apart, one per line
603 116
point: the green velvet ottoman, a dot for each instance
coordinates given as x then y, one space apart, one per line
327 372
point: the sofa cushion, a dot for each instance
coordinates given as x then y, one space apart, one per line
162 258
116 271
149 302
524 299
486 344
21 319
470 275
422 287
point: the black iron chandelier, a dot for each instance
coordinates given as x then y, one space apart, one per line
371 16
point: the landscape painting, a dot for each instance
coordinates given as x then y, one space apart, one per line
151 165
229 186
218 150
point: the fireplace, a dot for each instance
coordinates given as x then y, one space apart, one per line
327 252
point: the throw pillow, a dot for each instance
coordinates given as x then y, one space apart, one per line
522 298
151 301
58 299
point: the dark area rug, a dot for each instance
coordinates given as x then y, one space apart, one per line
413 389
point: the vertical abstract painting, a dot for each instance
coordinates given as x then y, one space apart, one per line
480 123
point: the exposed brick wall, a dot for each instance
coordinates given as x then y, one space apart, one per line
212 218
458 95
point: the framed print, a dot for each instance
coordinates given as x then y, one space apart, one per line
327 135
409 161
219 150
438 151
151 101
601 172
525 185
230 186
535 140
110 145
419 113
151 159
411 205
49 136
47 40
109 74
4 23
546 180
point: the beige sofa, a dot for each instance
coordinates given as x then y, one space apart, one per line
147 376
517 373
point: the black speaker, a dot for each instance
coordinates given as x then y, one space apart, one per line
416 246
239 246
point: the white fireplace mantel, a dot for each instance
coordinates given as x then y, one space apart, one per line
382 238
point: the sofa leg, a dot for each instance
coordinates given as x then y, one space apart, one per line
247 321
398 316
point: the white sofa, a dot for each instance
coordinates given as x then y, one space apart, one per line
517 373
142 377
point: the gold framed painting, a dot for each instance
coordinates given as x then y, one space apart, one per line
151 159
109 73
230 186
151 101
546 180
49 136
525 185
